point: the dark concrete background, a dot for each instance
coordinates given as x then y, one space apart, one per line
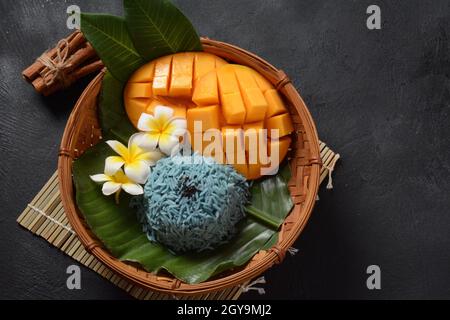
379 98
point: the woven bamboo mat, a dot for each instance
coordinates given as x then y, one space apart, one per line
45 217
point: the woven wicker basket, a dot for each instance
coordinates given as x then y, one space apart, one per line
83 131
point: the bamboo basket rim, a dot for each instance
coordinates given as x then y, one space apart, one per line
309 162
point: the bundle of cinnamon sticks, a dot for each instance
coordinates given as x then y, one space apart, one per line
58 68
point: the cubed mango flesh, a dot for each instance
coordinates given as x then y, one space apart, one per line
254 100
160 86
138 90
233 108
220 62
181 75
209 144
179 111
244 76
144 73
253 125
253 138
255 104
233 142
274 102
227 80
262 82
279 145
206 91
135 107
203 64
161 78
231 127
206 118
235 99
281 123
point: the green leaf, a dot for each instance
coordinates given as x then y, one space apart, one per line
119 230
110 38
113 119
158 28
271 199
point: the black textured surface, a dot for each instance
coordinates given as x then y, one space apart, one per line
380 98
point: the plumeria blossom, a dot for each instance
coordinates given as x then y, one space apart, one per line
117 182
161 130
135 159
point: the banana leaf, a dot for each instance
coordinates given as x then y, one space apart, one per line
119 230
160 23
111 40
113 118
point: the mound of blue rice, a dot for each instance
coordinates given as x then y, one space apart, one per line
191 203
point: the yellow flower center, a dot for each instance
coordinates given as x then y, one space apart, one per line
132 154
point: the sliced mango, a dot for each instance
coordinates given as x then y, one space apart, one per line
220 62
233 142
181 76
233 108
282 123
144 73
234 149
254 100
138 90
161 80
255 104
262 82
253 138
227 80
206 90
179 111
235 99
282 145
207 145
207 118
244 76
253 125
134 108
231 127
270 163
275 104
203 64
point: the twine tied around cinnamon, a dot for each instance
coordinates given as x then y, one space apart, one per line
56 67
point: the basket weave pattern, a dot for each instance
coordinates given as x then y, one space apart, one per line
83 131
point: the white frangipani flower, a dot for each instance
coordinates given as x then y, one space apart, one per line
161 130
117 182
135 159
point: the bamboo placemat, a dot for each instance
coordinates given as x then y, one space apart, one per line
45 217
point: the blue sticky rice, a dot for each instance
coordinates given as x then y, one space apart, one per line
192 203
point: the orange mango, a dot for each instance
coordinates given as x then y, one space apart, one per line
206 91
181 75
282 123
235 99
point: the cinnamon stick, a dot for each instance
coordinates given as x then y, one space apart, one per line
73 62
88 69
61 66
75 40
40 85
